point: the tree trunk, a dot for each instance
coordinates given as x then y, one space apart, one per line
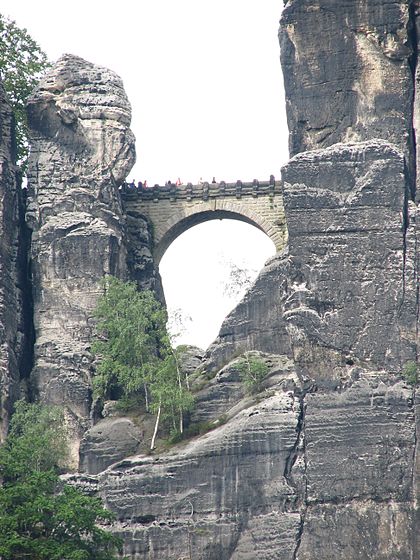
181 421
152 445
178 372
146 396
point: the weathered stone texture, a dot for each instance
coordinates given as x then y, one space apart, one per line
109 441
347 72
359 530
346 213
344 295
360 441
348 274
12 336
142 268
257 322
359 446
214 496
82 149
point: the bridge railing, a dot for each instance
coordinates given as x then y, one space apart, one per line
203 191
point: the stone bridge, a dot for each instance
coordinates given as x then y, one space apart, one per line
171 210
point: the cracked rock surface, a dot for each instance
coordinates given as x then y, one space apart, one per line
351 79
82 149
12 330
228 494
323 462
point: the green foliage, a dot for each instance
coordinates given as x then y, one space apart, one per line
411 373
36 441
21 64
253 370
135 355
168 389
131 339
40 517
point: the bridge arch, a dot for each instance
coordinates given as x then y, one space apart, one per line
173 210
183 221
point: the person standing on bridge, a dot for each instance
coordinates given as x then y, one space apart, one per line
178 182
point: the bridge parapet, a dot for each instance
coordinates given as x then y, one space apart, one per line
202 191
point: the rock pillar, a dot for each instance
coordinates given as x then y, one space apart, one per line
82 150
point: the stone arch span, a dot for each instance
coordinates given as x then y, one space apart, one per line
173 210
181 223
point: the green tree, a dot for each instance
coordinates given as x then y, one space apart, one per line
170 393
41 517
134 352
130 339
253 370
22 63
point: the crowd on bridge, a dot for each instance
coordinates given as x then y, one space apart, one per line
141 185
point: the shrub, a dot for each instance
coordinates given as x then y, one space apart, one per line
410 373
252 370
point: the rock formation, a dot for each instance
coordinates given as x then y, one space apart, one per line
341 307
348 72
348 272
15 320
323 461
82 150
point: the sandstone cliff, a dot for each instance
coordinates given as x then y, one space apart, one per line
82 149
323 461
15 360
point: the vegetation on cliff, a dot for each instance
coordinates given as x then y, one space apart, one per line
410 373
22 63
135 357
41 517
253 371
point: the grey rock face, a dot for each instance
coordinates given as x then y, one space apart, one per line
347 214
298 474
359 472
228 494
257 322
347 72
345 295
225 390
109 441
348 275
140 263
12 328
82 149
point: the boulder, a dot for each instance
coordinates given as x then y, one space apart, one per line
109 441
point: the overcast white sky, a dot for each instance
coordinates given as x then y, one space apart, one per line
205 85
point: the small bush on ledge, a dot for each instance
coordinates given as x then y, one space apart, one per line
410 373
253 370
